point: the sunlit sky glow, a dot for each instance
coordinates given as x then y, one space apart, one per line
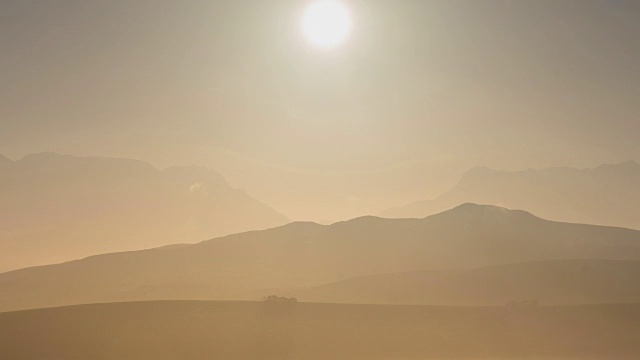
326 23
393 101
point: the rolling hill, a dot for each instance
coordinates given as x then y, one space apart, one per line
606 195
553 282
249 265
236 330
56 208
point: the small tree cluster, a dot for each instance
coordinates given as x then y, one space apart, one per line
274 299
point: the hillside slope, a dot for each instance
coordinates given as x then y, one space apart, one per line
4 161
554 282
56 208
228 330
248 265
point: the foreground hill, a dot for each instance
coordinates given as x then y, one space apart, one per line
55 208
232 330
553 282
249 265
607 195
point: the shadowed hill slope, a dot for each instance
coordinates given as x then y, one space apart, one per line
228 330
247 265
4 161
56 208
608 195
554 282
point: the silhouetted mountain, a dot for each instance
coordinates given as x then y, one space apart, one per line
56 208
237 330
247 265
554 282
607 195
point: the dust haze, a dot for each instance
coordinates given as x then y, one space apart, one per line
313 179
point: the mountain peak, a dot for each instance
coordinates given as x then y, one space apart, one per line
362 219
480 211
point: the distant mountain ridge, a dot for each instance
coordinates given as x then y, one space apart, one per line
57 207
551 282
300 255
605 195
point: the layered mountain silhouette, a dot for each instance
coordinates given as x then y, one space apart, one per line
553 282
299 255
56 208
606 195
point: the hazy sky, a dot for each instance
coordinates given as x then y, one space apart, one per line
421 91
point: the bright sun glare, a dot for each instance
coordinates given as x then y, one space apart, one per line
326 23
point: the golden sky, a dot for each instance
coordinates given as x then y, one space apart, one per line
420 92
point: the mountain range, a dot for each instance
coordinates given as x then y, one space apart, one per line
56 208
306 255
605 195
551 282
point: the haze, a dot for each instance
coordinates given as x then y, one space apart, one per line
320 179
422 91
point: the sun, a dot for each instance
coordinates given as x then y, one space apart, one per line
326 24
